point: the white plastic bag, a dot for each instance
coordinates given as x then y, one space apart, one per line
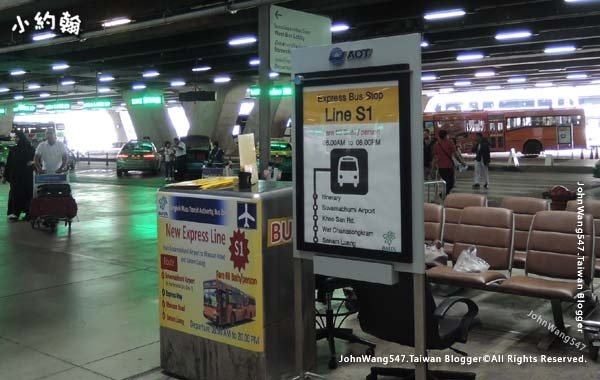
434 253
469 262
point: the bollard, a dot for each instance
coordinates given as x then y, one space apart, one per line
581 155
591 154
88 158
106 159
596 155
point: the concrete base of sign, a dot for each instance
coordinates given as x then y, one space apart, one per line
194 357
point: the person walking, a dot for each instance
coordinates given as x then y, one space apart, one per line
180 159
444 151
19 173
169 157
51 156
482 162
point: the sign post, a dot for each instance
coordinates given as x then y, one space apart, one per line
291 29
359 164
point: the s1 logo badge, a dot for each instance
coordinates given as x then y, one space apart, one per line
336 56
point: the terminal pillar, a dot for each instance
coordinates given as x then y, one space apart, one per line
6 121
281 111
150 120
119 130
230 110
204 115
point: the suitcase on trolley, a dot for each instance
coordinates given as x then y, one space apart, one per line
54 190
53 206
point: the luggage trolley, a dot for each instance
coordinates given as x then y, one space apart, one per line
52 202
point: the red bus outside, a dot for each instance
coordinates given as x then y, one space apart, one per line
528 131
225 305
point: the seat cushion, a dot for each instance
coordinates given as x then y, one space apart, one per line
540 287
448 275
519 259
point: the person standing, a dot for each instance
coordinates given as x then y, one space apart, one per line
444 151
51 156
482 162
19 173
427 154
169 155
180 159
216 154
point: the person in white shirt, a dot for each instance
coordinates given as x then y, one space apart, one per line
51 155
180 159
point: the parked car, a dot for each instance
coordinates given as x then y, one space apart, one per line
4 149
198 149
138 155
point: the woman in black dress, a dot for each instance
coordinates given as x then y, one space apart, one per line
19 173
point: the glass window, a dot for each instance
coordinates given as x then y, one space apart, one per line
492 127
473 105
544 102
488 105
210 297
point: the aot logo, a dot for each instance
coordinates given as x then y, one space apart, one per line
163 205
280 231
337 56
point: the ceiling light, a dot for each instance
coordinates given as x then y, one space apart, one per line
246 108
201 68
33 86
513 35
150 74
517 80
484 74
106 78
446 90
67 82
424 44
472 56
4 89
440 15
596 81
577 76
544 84
171 101
44 95
254 62
43 36
579 1
104 90
273 74
60 66
223 79
559 49
339 27
428 77
138 86
17 72
246 40
177 83
495 87
123 104
18 97
116 22
462 83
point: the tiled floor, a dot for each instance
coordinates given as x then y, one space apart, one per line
84 305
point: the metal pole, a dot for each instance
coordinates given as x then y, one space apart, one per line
264 103
420 333
106 159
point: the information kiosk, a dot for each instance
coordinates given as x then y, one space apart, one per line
358 179
226 283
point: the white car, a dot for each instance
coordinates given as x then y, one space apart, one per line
348 171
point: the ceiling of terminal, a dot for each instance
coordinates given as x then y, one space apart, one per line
510 42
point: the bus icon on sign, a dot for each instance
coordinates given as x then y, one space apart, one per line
348 171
